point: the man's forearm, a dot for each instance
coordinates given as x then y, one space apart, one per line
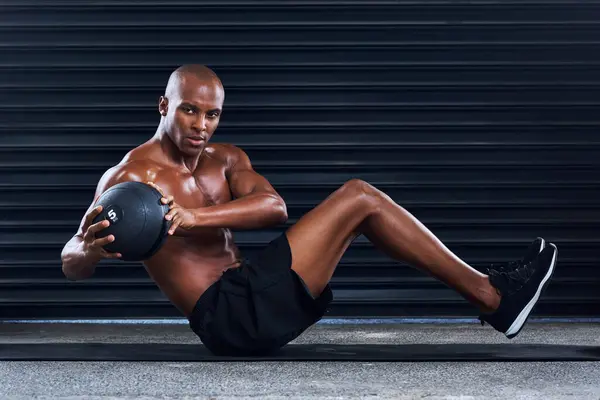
253 211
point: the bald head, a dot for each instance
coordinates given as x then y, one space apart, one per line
191 107
191 74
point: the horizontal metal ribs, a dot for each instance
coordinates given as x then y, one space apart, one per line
479 118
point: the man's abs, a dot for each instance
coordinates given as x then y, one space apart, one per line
186 266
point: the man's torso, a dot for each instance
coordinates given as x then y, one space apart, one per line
186 266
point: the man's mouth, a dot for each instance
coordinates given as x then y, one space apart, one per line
196 140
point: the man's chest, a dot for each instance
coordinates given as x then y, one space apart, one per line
203 188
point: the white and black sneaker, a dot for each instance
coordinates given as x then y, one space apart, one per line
520 290
532 251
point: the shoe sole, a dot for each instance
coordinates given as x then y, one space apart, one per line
542 245
519 322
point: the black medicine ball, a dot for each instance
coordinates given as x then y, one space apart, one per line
137 220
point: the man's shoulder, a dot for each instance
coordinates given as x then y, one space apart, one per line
134 166
133 162
226 152
132 170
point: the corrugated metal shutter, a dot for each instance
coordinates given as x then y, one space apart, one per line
479 117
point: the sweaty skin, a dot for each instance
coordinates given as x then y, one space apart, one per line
213 183
212 189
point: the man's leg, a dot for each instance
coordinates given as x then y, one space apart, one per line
320 238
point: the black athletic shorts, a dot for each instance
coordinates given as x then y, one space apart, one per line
258 307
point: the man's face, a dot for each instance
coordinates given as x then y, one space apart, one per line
192 112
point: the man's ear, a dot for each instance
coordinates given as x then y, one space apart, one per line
163 105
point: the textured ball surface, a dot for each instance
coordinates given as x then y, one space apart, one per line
137 220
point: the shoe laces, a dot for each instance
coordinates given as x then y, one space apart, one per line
509 277
511 281
505 266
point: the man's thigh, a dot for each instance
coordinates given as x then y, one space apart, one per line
320 238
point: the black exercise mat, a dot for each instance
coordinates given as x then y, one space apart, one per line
300 352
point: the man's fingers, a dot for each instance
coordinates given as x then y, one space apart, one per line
155 186
104 241
98 226
168 200
164 199
112 255
95 211
171 214
90 232
174 226
92 214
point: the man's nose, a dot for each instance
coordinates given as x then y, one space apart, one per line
200 123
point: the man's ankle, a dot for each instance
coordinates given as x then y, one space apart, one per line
489 297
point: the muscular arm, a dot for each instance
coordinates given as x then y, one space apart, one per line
256 204
77 264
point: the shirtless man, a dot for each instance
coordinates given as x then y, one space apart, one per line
242 306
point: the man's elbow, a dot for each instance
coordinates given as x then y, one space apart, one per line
280 209
283 215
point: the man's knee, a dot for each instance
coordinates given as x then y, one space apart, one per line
360 187
362 190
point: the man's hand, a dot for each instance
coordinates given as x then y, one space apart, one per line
92 246
180 217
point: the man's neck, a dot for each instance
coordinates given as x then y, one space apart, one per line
173 155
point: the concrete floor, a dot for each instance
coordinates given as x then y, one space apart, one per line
306 380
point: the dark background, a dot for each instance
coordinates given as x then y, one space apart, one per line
480 118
